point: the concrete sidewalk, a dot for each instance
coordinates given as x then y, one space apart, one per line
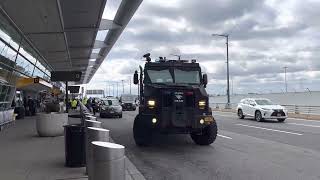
26 156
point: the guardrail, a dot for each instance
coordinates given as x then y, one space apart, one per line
294 109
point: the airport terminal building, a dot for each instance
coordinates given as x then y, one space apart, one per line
44 36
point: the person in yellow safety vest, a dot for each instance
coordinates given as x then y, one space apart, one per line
74 104
84 101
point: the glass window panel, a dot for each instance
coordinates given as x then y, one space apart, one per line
3 92
40 66
9 33
190 77
24 66
7 52
38 73
27 55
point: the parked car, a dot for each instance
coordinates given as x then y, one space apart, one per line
261 109
110 107
128 102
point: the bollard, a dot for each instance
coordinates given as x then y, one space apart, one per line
93 134
90 117
83 118
91 123
108 161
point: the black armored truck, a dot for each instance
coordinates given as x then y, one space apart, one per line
173 100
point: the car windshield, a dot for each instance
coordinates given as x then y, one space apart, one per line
264 102
180 76
111 102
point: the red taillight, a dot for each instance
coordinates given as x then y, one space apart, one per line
189 93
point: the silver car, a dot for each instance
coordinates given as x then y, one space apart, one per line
110 107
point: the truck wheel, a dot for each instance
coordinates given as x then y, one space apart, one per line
240 114
141 133
208 135
281 119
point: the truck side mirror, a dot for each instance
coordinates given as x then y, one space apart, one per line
135 77
205 80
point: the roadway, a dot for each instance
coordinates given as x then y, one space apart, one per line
244 150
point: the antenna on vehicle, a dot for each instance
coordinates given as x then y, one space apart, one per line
179 56
147 56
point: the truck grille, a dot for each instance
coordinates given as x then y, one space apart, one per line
169 98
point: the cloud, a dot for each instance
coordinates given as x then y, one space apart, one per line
265 36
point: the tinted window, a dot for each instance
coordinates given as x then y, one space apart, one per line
188 77
162 76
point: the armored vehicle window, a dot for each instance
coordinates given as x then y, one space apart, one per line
162 76
189 77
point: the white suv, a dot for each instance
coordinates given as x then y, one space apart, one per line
261 109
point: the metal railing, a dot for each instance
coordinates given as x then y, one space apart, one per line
295 109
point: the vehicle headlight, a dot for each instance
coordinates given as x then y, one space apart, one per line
265 109
202 104
151 103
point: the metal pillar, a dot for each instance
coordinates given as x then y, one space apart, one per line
228 105
93 134
130 85
67 98
285 78
108 161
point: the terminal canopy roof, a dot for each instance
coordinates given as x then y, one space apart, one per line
64 31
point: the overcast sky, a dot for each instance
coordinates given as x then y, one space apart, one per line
265 36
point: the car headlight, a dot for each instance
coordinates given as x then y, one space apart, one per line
151 103
202 104
265 109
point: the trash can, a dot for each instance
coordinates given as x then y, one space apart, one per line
74 145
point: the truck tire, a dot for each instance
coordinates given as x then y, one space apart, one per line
208 135
141 133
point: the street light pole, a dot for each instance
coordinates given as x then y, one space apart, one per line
228 105
122 86
117 89
285 78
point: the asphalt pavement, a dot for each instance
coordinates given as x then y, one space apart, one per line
244 150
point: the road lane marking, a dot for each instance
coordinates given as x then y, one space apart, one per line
307 120
224 136
267 129
307 125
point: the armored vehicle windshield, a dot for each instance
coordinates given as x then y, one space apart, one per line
173 73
